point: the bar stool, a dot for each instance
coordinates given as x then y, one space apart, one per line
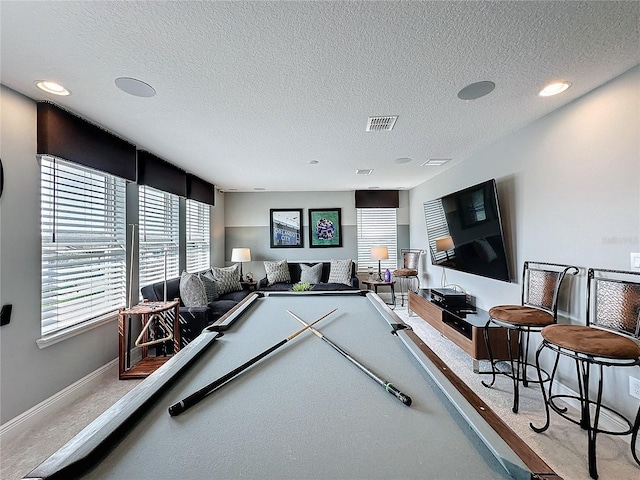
408 273
609 339
541 284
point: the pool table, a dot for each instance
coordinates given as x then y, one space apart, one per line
302 412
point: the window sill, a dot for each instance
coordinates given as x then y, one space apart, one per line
61 335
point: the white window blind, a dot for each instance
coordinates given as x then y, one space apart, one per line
377 227
437 226
158 235
83 243
198 238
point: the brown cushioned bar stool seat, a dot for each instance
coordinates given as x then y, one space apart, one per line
541 284
521 315
592 341
609 339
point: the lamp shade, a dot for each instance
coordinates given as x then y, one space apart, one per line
379 253
444 243
241 255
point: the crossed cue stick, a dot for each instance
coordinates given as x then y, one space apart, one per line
191 400
388 386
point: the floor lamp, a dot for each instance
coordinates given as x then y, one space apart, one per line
444 244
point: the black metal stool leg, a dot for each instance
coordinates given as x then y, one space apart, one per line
515 372
490 352
544 393
634 437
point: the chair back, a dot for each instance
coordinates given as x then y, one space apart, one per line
541 284
410 259
613 301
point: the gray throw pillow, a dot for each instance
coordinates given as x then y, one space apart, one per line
210 286
227 279
340 272
277 272
310 273
192 290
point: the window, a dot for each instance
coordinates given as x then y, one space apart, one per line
83 244
197 236
377 227
158 235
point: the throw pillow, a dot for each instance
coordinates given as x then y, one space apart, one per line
340 272
210 286
310 273
192 290
277 272
227 279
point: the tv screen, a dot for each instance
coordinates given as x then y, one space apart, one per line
464 231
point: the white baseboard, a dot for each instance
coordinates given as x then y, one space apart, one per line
29 419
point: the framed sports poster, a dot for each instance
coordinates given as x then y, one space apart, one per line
286 228
325 228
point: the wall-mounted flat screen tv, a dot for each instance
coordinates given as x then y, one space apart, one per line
464 232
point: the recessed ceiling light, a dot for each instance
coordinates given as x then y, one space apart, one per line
259 189
435 162
135 87
364 171
402 160
476 90
52 87
313 162
554 88
373 188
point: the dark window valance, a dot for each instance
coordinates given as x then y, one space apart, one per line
158 173
198 189
64 135
377 199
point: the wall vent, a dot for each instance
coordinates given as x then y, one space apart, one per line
381 124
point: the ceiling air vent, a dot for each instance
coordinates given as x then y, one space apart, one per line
380 124
364 171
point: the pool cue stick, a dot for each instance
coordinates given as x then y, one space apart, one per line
191 400
388 386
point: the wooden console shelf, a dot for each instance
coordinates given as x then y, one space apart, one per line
462 327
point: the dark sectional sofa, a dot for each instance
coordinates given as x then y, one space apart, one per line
295 270
194 319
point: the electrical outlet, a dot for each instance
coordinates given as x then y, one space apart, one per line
634 387
635 260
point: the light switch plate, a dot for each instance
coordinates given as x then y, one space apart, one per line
635 260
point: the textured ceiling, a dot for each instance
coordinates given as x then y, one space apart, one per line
248 93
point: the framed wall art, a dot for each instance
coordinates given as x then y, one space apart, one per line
286 227
325 228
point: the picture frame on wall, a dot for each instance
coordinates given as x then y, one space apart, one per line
286 228
325 227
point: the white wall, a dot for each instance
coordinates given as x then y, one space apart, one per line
569 188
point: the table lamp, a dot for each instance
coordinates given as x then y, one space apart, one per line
444 244
241 255
379 253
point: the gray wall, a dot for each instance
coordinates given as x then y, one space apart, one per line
30 374
247 225
569 188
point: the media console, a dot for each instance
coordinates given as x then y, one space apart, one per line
464 326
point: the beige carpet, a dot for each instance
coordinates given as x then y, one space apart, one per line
563 446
